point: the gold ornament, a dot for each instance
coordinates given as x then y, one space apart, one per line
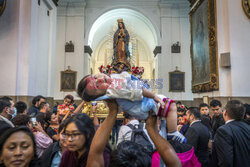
246 7
120 20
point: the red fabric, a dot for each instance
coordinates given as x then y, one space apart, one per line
164 112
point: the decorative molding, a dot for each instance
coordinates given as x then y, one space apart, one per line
77 11
87 49
69 47
50 4
55 2
123 4
176 47
157 50
71 4
192 2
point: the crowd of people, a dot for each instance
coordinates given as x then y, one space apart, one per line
64 136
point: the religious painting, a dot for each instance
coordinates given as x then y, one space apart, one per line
68 80
176 81
2 6
204 46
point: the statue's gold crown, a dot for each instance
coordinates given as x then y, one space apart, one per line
120 20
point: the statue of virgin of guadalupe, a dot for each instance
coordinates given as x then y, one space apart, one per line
120 45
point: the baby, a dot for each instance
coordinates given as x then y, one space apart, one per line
132 96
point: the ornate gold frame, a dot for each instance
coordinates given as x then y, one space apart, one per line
102 111
2 7
213 84
246 7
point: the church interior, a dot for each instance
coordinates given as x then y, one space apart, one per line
166 81
34 35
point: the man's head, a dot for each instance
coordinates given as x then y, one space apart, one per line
234 109
93 86
21 107
178 104
44 107
21 120
68 99
12 107
130 154
204 109
5 108
180 120
128 117
193 113
215 106
37 100
181 111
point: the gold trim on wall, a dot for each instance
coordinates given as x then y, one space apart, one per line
213 83
2 7
246 7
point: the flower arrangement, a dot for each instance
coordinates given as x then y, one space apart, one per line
138 71
63 109
105 69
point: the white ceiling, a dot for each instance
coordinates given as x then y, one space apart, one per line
136 24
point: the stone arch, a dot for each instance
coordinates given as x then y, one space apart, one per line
148 35
99 16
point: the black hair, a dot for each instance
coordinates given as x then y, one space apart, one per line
215 103
203 105
42 105
61 127
195 112
235 109
82 92
85 125
37 98
247 107
44 119
21 119
180 116
70 97
127 116
26 130
179 109
4 104
122 25
6 98
130 154
178 102
20 107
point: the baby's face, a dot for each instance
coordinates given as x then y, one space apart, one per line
98 84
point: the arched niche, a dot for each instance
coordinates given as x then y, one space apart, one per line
141 30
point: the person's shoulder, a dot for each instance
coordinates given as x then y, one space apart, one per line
196 124
238 125
224 129
199 127
124 127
